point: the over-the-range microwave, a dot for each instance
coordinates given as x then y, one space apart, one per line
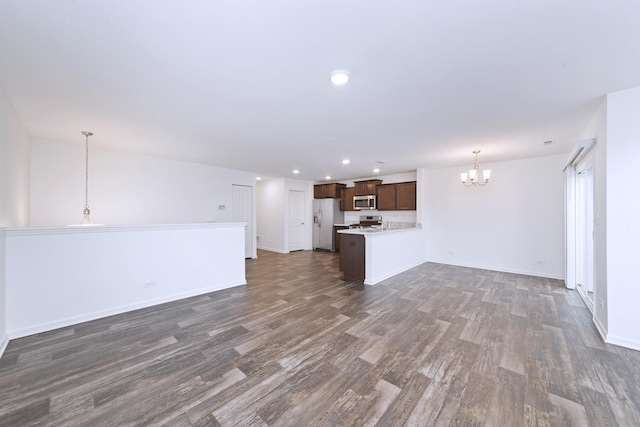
364 202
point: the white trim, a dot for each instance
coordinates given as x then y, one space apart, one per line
623 342
570 228
266 248
69 321
600 327
580 150
4 342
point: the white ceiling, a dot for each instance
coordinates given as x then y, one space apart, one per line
244 84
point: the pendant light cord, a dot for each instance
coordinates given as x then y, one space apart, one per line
86 171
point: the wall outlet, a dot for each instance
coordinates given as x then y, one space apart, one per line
540 262
221 207
601 304
258 238
149 284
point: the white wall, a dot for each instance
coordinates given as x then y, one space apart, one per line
15 148
513 224
126 188
270 212
273 213
622 218
63 276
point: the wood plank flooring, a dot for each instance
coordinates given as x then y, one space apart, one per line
298 346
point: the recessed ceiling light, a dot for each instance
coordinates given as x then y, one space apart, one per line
327 177
296 171
339 77
346 161
376 170
258 178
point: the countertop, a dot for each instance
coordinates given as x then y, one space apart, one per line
376 231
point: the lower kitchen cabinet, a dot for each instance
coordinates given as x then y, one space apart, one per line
352 256
336 235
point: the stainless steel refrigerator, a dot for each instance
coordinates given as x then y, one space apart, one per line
326 212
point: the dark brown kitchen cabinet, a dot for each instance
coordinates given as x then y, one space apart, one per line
352 257
397 197
386 197
336 235
406 196
346 198
366 188
327 191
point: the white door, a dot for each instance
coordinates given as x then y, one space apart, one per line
296 220
241 210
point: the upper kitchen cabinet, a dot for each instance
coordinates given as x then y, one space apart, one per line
406 196
346 198
386 197
327 191
366 188
397 197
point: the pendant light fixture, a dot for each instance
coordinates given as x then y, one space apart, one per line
474 174
86 219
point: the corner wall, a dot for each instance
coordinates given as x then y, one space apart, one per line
623 211
15 148
514 224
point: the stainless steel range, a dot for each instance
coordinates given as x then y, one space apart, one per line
368 221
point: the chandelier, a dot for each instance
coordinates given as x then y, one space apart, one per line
86 220
472 178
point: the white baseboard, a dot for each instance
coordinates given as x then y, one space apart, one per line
266 248
600 327
61 323
501 269
622 342
4 342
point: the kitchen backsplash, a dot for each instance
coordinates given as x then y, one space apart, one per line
353 217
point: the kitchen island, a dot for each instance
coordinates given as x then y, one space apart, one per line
372 255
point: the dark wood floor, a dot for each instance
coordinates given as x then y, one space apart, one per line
297 346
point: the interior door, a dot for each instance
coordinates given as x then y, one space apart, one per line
241 211
296 220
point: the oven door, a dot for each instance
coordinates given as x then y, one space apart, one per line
364 202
